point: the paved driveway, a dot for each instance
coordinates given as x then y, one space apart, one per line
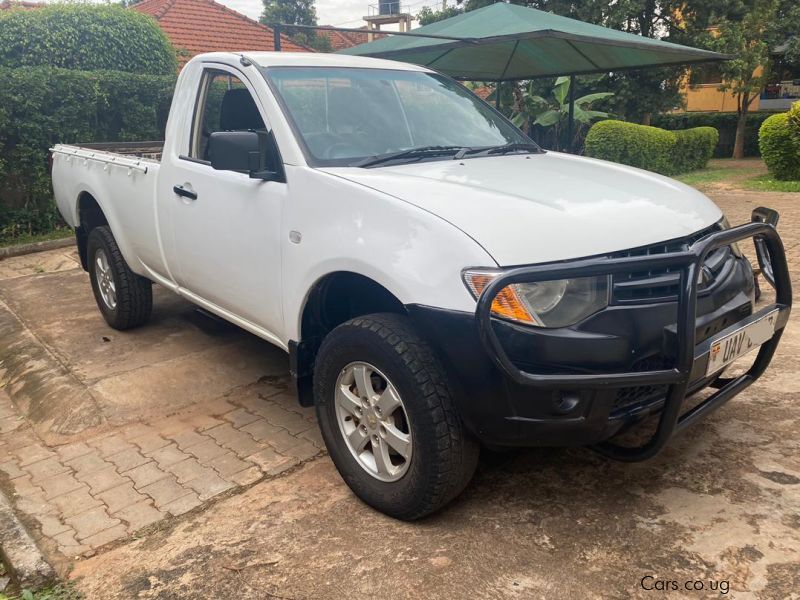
185 428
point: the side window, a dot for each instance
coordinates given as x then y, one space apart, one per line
225 104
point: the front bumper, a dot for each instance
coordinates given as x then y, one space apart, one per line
522 386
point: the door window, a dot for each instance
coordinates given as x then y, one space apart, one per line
225 105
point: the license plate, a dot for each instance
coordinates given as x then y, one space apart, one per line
727 349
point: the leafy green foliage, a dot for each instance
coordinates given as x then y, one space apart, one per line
794 123
780 151
532 108
296 12
85 37
724 123
427 15
651 148
42 106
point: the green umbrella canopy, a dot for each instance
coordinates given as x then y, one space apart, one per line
505 41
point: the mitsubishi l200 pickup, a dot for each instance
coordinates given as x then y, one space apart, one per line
439 281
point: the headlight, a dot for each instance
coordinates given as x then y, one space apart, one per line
557 303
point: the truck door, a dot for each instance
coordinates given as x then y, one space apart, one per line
226 225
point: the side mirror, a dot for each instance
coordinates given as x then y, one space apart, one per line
241 151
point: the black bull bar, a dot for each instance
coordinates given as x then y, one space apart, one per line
771 258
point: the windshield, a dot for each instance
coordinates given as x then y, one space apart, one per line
344 116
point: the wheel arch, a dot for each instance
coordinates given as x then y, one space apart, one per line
89 215
332 300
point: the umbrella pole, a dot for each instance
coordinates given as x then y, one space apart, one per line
571 122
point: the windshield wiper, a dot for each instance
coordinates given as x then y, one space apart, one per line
502 149
422 152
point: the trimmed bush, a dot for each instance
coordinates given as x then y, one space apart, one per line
780 151
42 106
794 123
651 148
724 123
694 148
85 37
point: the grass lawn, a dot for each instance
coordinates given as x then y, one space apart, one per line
766 183
747 174
58 234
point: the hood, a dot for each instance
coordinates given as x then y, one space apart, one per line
536 208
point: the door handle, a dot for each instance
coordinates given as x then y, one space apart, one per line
182 191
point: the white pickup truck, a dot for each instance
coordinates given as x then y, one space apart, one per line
438 280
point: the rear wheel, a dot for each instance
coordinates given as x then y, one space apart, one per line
124 298
388 419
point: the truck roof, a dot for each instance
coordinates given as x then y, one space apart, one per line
308 59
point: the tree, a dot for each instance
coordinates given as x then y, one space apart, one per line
427 15
296 12
748 40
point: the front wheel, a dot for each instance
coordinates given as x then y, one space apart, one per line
387 417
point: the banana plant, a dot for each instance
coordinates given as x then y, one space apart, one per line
531 108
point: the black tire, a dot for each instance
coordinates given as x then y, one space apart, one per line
134 294
444 455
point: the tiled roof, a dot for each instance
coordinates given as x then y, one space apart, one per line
6 4
197 26
483 92
346 39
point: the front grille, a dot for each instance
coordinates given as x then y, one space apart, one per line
628 397
662 284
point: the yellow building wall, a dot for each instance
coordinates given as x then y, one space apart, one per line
706 97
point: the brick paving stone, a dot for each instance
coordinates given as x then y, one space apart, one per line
51 525
164 491
109 445
150 442
31 454
137 430
271 462
168 455
188 470
121 496
182 505
102 480
289 445
228 464
187 438
60 485
20 440
240 417
201 422
35 503
128 459
75 502
87 463
139 515
240 442
90 522
207 450
107 536
260 430
217 408
290 421
49 467
73 450
68 545
209 486
246 477
314 436
10 468
145 474
9 424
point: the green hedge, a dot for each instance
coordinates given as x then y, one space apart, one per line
724 123
85 37
781 153
42 106
652 148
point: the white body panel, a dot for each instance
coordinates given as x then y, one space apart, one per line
410 228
